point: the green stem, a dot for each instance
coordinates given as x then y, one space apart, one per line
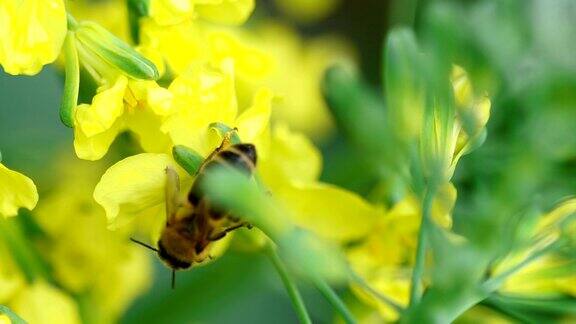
403 13
335 301
416 288
289 284
71 81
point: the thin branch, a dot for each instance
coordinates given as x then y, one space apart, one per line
290 286
334 300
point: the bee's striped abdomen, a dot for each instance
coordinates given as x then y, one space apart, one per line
239 156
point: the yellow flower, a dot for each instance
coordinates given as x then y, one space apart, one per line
271 55
134 187
288 163
294 71
170 12
102 265
16 191
42 303
552 274
135 105
385 257
11 279
31 34
291 169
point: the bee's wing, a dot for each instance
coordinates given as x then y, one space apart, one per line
172 192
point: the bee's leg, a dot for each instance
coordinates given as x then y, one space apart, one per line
220 235
226 141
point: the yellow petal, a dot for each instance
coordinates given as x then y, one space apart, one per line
94 147
329 211
16 191
292 157
250 62
44 304
146 126
179 44
170 12
255 120
202 96
31 34
132 186
233 12
106 107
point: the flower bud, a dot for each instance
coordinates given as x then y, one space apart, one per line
187 158
115 52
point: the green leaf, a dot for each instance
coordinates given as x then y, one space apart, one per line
71 82
115 51
187 158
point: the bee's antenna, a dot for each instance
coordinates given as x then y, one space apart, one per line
144 245
173 278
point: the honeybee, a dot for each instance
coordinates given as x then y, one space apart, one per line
194 224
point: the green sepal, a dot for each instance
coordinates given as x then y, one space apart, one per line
115 51
187 158
225 129
71 82
13 317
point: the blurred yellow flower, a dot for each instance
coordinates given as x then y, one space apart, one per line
385 257
271 55
31 34
171 12
552 274
45 304
102 265
11 279
110 14
291 168
296 69
16 191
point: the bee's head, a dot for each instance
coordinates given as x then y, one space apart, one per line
171 260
